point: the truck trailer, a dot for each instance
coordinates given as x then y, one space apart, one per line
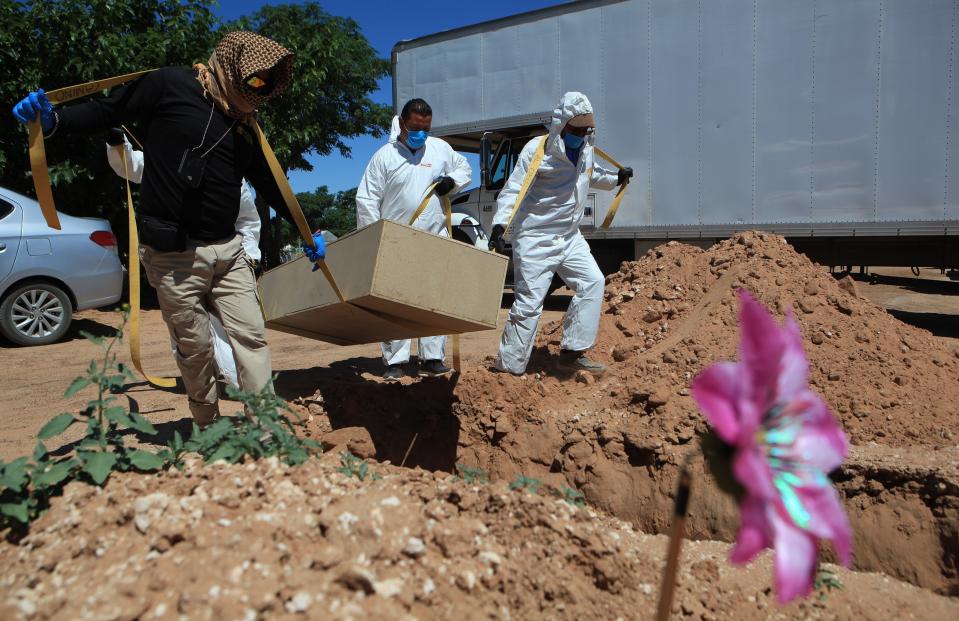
830 122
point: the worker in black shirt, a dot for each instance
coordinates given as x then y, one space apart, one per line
201 144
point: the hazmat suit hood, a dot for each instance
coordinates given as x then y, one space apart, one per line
572 104
395 130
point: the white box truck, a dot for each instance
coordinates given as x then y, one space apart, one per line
831 122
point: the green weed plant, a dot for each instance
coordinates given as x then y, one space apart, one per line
28 483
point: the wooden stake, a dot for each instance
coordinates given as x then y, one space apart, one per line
668 586
409 448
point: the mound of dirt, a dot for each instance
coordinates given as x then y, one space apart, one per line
620 438
672 313
263 541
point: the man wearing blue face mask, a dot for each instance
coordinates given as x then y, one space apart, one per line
395 182
546 238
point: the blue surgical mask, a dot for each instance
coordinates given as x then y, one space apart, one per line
416 139
572 141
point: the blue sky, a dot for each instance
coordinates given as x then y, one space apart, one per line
383 24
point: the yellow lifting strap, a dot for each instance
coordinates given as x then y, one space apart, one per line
531 174
608 220
38 153
527 181
134 276
294 206
448 210
41 183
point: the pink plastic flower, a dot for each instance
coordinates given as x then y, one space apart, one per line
784 441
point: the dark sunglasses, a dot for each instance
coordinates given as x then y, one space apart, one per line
258 84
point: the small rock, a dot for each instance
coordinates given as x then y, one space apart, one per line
357 579
811 288
466 581
659 294
833 377
414 548
669 356
141 504
844 307
142 522
805 307
817 338
584 377
27 607
299 602
355 439
389 587
621 354
847 284
652 316
658 397
490 558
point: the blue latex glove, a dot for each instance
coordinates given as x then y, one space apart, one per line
33 104
315 254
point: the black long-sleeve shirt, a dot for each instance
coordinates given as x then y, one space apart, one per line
170 104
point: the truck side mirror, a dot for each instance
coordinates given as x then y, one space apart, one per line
484 157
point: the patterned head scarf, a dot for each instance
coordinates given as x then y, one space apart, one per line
235 59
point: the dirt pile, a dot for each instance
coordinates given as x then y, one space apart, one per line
266 541
672 313
620 438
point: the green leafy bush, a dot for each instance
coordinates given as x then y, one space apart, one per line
28 483
265 431
526 484
472 475
353 466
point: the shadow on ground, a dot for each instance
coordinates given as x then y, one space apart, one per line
408 422
940 324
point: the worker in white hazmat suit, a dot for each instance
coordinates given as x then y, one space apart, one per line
546 239
247 225
394 184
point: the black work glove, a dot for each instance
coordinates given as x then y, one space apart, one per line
444 185
496 241
625 174
114 136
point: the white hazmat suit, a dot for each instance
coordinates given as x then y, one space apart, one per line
546 240
247 225
394 184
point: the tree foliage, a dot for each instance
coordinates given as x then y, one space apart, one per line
55 43
329 211
335 70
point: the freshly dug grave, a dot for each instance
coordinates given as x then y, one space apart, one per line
620 439
263 541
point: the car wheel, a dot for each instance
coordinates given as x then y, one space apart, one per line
35 314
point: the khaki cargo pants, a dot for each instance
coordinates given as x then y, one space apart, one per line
210 278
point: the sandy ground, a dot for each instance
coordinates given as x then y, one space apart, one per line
35 377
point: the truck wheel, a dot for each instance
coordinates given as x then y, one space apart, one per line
35 314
